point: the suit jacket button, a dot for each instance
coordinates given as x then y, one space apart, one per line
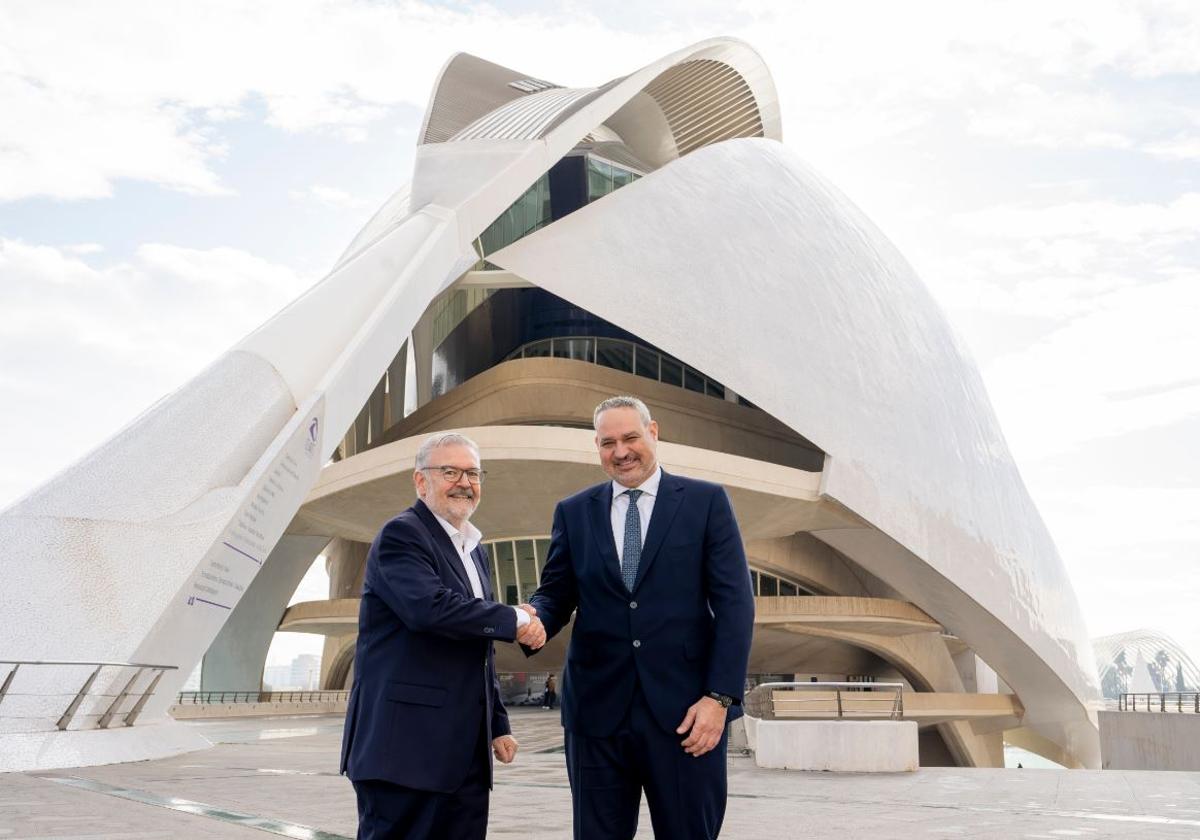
637 643
633 605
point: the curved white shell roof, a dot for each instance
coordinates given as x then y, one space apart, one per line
775 284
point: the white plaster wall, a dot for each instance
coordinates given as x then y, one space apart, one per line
846 746
1150 740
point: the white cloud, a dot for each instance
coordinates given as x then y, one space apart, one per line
1128 364
330 197
88 348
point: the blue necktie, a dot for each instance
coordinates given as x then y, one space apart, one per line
633 541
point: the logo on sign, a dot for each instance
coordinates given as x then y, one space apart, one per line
310 445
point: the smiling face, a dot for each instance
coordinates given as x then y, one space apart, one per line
453 501
628 448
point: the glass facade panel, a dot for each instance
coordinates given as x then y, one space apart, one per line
502 556
617 355
621 177
714 389
525 215
672 371
599 176
526 570
646 363
768 585
786 588
754 581
574 348
693 381
543 548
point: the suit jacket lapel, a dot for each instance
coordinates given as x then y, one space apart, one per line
670 495
442 540
600 511
479 555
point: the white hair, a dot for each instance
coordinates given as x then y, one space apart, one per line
622 402
425 452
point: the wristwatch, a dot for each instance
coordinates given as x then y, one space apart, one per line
724 699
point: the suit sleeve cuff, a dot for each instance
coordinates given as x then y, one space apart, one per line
522 617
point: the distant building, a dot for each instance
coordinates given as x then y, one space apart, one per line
306 671
1171 669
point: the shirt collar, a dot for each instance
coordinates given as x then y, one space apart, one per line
648 487
471 535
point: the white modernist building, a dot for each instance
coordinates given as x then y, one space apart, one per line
555 246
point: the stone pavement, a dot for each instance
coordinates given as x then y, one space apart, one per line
279 775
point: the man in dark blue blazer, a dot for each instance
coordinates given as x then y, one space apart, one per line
425 715
653 567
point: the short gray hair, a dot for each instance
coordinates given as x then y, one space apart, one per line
622 402
425 452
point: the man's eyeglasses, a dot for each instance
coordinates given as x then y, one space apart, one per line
453 474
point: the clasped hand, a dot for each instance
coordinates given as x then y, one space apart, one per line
533 634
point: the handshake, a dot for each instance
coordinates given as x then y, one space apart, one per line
533 634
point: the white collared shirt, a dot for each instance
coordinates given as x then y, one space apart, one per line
466 541
620 508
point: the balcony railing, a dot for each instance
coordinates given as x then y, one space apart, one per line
825 701
61 707
1170 701
625 356
202 697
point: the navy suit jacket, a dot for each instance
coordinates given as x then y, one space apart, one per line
684 631
424 676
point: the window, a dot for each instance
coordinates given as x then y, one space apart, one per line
526 570
506 572
672 371
538 349
786 588
693 381
768 585
615 354
646 363
573 348
599 177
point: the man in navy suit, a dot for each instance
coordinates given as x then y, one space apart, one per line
653 567
425 715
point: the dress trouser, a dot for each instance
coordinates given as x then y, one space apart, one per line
388 811
686 795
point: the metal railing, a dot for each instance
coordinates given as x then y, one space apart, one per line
1169 701
201 697
825 701
112 710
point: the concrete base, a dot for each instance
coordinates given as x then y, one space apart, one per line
1150 740
24 751
852 746
204 711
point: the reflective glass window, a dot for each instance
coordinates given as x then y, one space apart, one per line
621 177
543 548
646 363
526 570
768 585
693 381
502 556
573 348
617 355
786 588
672 371
538 348
714 389
754 581
599 175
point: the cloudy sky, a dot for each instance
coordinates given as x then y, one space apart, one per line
172 173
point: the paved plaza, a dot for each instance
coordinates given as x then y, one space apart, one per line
279 776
